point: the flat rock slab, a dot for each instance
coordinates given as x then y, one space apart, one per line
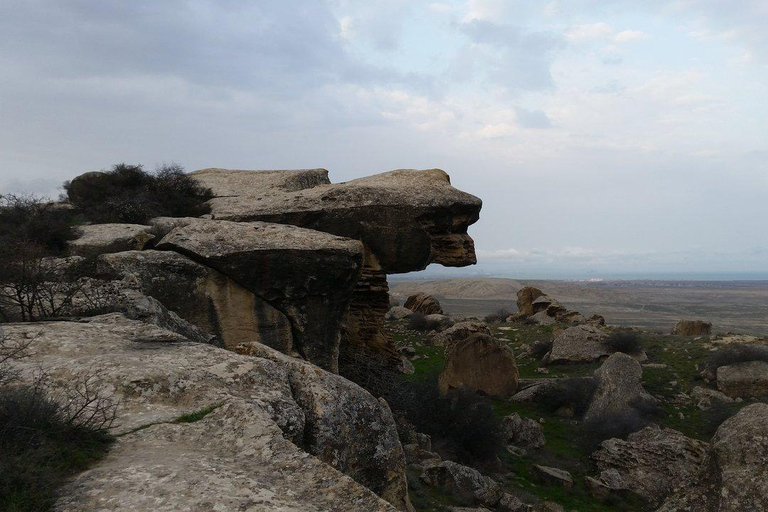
105 238
583 343
554 475
748 379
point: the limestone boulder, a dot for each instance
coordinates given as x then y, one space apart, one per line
747 379
307 275
407 218
525 298
619 387
552 475
542 318
734 474
96 239
265 440
424 304
582 343
651 463
457 332
522 432
467 485
480 363
706 398
692 328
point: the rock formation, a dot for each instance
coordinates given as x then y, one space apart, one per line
582 343
274 438
619 387
747 379
650 463
424 304
480 363
105 238
692 328
734 474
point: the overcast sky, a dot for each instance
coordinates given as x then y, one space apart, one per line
601 136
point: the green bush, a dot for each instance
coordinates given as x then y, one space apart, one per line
127 193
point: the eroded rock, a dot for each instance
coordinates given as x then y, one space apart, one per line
748 379
96 239
480 363
582 343
619 387
692 328
457 332
467 485
424 304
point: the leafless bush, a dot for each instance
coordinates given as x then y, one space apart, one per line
540 348
575 393
732 354
10 350
627 342
498 316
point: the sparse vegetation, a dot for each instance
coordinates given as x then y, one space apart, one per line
420 322
540 348
627 342
572 393
498 316
127 193
732 354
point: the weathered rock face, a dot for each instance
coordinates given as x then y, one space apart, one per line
692 328
466 484
398 313
424 304
480 363
523 432
407 218
457 332
307 275
104 238
525 298
554 475
202 296
706 398
748 379
619 387
582 343
650 463
734 475
280 436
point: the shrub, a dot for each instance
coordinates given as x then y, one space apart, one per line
627 342
732 354
31 221
498 316
572 392
129 194
618 424
540 348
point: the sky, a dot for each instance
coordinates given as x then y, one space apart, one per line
603 137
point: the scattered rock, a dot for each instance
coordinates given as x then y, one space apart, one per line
398 313
440 322
525 298
554 476
692 328
457 332
582 343
96 239
749 379
706 398
523 432
619 387
424 304
467 485
480 363
650 463
596 320
511 503
542 318
734 475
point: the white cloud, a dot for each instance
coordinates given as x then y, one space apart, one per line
629 36
590 32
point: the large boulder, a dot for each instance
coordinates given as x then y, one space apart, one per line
104 238
706 398
465 484
619 388
480 363
734 475
307 275
522 432
582 343
424 304
407 218
650 463
692 328
457 332
398 313
554 476
525 298
747 379
282 433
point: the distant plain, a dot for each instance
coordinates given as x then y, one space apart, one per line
732 306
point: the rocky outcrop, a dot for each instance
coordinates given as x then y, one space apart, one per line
457 332
619 388
692 328
650 463
202 296
281 433
555 476
467 485
706 398
522 432
398 313
583 343
525 298
424 304
104 238
734 475
748 379
306 275
480 363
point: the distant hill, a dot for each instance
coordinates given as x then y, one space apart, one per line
465 288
